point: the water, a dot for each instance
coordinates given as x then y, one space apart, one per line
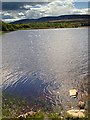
45 63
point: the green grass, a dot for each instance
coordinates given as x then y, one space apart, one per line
41 115
54 116
12 107
43 25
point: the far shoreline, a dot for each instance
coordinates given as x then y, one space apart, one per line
9 27
3 32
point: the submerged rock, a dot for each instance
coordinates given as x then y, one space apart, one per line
31 113
76 113
73 93
21 116
81 104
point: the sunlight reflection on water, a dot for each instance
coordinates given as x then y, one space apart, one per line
45 62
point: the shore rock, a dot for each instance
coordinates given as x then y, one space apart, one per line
31 113
73 93
76 113
81 104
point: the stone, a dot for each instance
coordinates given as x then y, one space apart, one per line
76 113
31 113
20 116
81 104
73 93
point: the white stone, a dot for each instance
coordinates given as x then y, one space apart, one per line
20 116
31 113
76 113
73 93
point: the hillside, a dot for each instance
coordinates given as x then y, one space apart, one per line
66 21
58 18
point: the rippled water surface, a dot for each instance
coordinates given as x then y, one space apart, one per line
45 63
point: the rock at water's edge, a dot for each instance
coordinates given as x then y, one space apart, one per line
76 113
73 93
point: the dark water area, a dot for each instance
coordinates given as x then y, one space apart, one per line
46 64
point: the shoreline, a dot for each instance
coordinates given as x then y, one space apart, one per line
3 32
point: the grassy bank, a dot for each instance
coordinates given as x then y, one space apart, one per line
43 25
45 116
12 107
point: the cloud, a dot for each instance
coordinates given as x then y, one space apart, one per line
27 6
81 11
20 14
54 8
37 10
6 15
9 16
10 20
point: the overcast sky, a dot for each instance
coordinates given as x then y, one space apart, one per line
12 11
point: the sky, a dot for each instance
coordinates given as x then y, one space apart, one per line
13 11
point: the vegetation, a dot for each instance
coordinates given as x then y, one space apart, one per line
12 107
54 116
43 25
44 116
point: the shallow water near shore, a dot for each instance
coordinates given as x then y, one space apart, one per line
46 64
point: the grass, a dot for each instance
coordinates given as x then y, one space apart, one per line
41 115
12 107
43 25
15 106
54 116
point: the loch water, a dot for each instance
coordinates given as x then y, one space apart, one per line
45 63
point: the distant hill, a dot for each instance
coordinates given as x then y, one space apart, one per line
65 21
56 18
